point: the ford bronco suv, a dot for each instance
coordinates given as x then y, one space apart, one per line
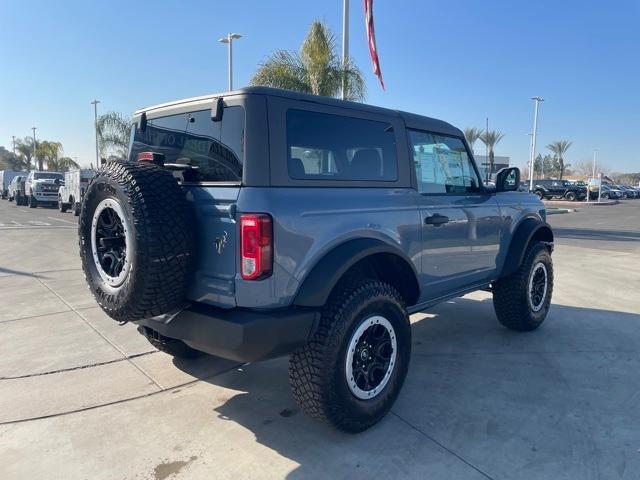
549 189
262 222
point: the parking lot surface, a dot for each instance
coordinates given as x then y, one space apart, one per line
83 397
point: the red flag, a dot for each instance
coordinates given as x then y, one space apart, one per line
371 38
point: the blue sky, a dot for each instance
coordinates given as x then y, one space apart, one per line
459 61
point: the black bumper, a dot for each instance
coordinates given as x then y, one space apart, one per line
239 334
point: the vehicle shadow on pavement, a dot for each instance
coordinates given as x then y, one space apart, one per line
560 402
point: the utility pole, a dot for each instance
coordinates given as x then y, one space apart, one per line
95 126
532 156
35 155
486 153
345 45
229 41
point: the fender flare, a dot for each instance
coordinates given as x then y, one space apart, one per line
326 273
527 230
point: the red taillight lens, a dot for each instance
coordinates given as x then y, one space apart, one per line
145 157
256 246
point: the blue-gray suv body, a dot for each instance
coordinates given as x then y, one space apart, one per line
264 222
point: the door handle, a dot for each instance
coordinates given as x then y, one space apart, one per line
436 220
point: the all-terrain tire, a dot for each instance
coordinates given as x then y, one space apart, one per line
33 203
77 207
571 196
512 297
172 346
160 224
317 371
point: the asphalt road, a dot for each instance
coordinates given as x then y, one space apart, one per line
82 397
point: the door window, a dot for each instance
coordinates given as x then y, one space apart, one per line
443 165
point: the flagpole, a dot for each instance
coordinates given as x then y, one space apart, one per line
345 44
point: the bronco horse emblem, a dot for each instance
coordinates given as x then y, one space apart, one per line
221 242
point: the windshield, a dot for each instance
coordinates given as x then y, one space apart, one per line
47 176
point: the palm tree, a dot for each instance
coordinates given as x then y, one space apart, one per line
559 148
48 152
114 130
63 164
317 69
24 147
472 135
490 139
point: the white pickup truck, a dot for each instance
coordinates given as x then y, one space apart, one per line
71 193
42 188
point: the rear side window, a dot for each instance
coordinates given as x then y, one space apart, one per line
214 150
322 146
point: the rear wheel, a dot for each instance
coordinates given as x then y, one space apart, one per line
352 370
76 209
522 300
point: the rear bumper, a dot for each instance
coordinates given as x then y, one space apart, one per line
238 334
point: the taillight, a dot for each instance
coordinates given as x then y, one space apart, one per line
145 157
256 246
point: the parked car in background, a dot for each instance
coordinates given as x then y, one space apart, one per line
71 193
18 190
14 185
611 193
42 188
549 189
5 180
628 191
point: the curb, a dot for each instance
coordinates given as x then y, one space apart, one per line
559 204
557 211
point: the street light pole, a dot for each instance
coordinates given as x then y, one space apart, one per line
95 125
345 45
35 155
532 156
593 174
229 41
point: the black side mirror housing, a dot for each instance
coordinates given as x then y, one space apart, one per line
217 109
508 180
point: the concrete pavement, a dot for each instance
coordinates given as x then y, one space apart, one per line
82 397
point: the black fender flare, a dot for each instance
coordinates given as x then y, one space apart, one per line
527 230
326 273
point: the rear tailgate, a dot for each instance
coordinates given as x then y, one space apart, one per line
214 278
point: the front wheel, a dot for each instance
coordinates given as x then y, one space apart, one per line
61 205
351 372
33 203
522 300
572 197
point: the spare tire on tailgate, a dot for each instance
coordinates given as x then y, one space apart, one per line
136 240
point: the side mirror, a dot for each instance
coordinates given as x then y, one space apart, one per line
508 180
217 109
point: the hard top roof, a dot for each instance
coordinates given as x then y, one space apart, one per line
412 120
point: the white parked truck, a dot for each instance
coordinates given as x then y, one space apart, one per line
5 179
71 193
42 188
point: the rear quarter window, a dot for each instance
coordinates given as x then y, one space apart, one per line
323 146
